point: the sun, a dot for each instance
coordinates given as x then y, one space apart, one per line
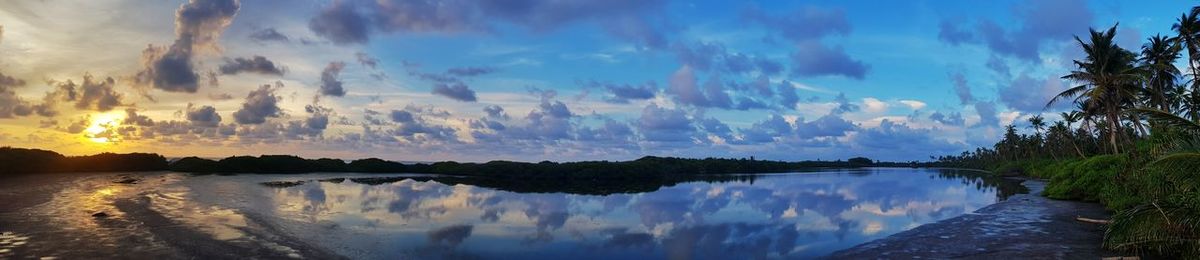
102 128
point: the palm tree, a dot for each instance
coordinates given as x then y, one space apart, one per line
1158 58
1188 30
1109 79
1037 123
1071 118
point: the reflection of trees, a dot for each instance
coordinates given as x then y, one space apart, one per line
584 187
1004 188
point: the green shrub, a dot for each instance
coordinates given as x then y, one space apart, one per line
1093 179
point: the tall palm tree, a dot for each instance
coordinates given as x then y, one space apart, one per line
1109 79
1187 27
1158 58
1037 123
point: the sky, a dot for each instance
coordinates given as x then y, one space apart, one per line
533 80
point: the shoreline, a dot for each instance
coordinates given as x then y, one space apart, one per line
1025 226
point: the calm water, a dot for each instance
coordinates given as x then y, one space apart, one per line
798 215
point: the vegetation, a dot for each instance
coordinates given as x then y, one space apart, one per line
1132 141
21 161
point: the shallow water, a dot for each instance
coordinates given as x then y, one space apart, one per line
799 215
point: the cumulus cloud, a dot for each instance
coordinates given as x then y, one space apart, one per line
494 111
203 116
900 138
812 58
93 94
11 105
456 91
260 104
874 105
353 21
256 64
133 118
198 27
658 124
366 59
331 85
843 105
707 56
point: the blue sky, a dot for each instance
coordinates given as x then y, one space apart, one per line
537 80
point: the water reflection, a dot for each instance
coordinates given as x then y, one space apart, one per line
765 216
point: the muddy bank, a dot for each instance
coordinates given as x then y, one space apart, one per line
1026 226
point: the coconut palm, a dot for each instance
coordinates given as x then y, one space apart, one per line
1109 79
1158 58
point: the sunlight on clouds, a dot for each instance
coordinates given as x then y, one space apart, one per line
103 127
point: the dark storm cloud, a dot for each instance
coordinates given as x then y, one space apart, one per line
457 91
256 64
198 27
812 58
354 21
331 85
259 105
203 116
269 35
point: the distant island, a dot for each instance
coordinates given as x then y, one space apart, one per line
30 161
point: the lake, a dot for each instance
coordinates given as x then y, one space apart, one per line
361 216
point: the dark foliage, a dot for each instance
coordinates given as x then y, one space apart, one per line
24 161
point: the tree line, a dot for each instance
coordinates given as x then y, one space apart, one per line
1131 139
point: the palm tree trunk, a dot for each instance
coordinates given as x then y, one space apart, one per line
1113 129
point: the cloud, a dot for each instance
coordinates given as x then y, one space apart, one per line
133 118
623 93
456 91
874 105
812 58
260 104
987 114
203 116
470 71
913 104
256 64
954 118
268 35
198 27
1039 23
401 116
7 82
91 94
659 124
899 138
450 236
950 32
494 111
787 95
331 85
961 89
1029 95
11 105
366 59
825 126
707 56
843 105
804 24
353 22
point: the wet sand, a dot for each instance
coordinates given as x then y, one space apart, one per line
1026 226
53 216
